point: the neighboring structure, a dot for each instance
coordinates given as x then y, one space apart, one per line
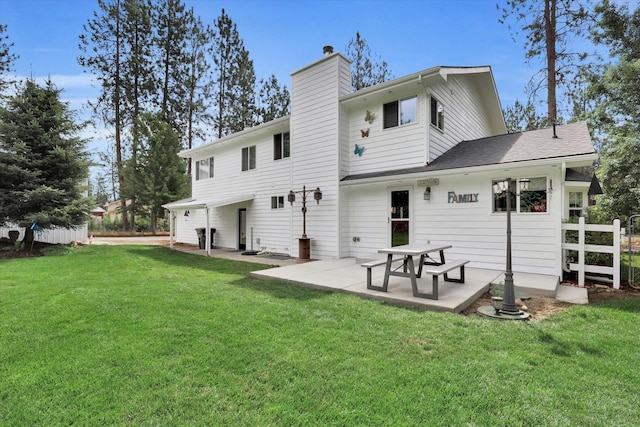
53 236
415 159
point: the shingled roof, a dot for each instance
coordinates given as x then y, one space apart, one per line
572 140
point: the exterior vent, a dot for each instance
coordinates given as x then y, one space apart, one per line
327 50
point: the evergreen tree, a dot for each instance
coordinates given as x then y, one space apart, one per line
367 68
522 117
243 108
161 177
549 25
138 83
6 58
44 162
200 84
615 95
232 74
104 48
274 100
172 24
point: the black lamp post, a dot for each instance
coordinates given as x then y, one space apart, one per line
304 247
506 307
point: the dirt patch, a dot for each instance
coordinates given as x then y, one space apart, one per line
541 307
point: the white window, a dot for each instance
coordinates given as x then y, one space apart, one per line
437 114
281 146
277 202
575 204
204 169
527 195
249 158
401 112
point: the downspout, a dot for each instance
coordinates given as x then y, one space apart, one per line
172 218
428 118
563 173
207 232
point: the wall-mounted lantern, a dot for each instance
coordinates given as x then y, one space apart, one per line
427 193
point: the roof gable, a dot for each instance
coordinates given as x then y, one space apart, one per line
572 140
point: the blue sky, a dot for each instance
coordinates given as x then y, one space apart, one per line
285 35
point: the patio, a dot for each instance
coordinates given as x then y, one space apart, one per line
347 275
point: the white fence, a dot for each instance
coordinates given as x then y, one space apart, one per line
581 247
53 235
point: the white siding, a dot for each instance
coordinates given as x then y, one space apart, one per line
406 146
464 116
474 231
315 128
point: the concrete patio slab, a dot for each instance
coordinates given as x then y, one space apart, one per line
572 294
346 275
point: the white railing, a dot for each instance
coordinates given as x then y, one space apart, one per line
581 248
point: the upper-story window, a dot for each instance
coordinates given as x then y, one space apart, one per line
249 158
281 146
437 113
204 169
401 112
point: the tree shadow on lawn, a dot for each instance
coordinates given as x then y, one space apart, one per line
564 348
277 288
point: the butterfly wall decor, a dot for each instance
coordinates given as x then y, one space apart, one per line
369 117
365 133
358 150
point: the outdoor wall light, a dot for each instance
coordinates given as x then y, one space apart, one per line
427 193
186 213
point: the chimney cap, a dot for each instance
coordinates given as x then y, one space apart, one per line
327 50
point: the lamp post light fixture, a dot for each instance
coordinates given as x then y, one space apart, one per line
304 245
506 307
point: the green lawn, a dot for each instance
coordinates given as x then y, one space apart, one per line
130 335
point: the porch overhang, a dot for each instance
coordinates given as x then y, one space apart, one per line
184 204
189 204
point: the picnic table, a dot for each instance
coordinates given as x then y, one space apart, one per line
407 254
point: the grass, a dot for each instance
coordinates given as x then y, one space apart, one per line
130 335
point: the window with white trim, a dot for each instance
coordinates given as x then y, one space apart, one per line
576 204
204 169
437 114
249 158
281 146
398 113
277 202
527 195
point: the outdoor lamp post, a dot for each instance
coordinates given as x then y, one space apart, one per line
304 246
506 307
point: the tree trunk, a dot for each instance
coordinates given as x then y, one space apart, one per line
550 9
28 238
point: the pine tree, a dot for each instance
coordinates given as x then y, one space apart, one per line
161 175
44 163
200 84
232 75
103 46
6 58
614 92
367 68
548 30
274 100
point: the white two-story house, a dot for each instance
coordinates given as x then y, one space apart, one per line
413 160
